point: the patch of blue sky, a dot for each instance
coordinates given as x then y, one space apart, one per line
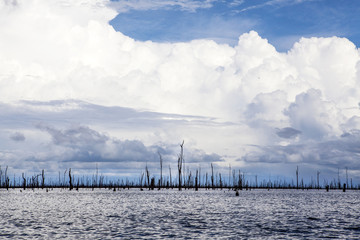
282 22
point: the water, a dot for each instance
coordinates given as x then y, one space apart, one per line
125 214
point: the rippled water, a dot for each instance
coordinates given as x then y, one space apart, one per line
104 214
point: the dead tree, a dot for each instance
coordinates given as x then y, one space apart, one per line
189 183
221 184
199 178
24 181
170 180
7 180
152 184
70 180
339 182
347 179
180 162
196 180
229 176
77 185
42 179
206 181
212 176
97 175
297 177
147 176
161 166
234 179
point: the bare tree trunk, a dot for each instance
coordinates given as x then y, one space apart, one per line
43 179
97 174
347 179
152 184
199 176
70 180
221 185
212 176
7 181
184 168
147 176
161 165
229 176
196 180
339 183
297 177
206 181
180 162
24 181
170 180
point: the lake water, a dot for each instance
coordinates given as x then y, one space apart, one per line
207 214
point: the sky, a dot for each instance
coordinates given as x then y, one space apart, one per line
281 22
261 86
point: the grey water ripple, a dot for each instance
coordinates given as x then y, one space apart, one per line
135 214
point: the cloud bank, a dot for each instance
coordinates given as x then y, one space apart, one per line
256 104
62 134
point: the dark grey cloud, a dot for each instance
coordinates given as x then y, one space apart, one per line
72 124
88 145
75 136
83 144
287 132
17 137
328 157
199 156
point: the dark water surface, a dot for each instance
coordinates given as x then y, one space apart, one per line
125 214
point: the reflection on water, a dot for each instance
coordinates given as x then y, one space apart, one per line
104 214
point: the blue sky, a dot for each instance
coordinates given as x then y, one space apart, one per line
282 22
112 83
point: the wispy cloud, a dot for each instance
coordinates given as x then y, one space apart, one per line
273 3
236 3
184 5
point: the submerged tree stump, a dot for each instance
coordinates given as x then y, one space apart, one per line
70 181
152 184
